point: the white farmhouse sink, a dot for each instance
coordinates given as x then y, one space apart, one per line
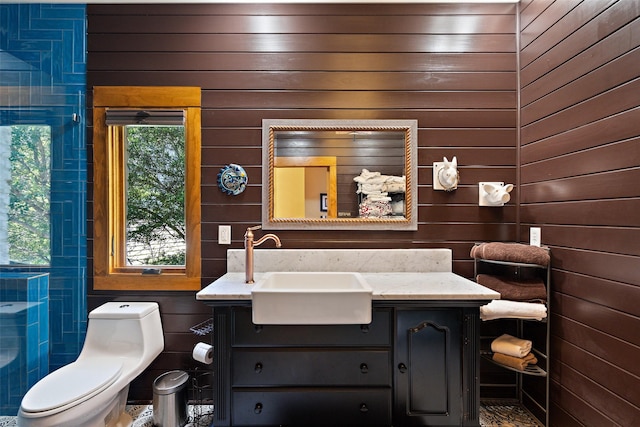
311 298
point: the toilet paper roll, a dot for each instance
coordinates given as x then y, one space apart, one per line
203 353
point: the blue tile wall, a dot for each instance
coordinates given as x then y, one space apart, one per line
24 335
42 66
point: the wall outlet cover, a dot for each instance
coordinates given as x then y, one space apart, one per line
224 234
535 235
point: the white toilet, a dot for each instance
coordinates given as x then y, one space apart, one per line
123 338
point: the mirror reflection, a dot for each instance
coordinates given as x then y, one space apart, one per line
339 174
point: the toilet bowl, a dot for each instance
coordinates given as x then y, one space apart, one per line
123 338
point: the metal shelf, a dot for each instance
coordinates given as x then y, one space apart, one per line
529 370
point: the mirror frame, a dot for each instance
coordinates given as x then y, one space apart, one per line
407 223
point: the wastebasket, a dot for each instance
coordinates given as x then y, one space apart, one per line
170 399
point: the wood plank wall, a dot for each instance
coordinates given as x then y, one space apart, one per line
451 67
580 168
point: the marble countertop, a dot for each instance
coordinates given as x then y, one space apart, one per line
385 286
393 274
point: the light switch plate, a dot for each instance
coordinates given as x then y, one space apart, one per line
224 234
535 235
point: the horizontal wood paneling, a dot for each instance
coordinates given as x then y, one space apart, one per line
607 185
570 33
606 130
619 240
598 344
306 9
451 67
302 42
244 81
579 168
606 49
218 62
591 395
319 23
618 155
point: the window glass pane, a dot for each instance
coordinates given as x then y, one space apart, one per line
25 187
155 195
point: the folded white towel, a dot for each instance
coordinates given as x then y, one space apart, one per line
500 309
369 188
394 187
367 177
378 198
511 346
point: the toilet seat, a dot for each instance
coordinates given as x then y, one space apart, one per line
72 384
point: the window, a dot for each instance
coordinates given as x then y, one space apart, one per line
146 144
25 187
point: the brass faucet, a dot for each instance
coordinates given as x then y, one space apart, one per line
249 244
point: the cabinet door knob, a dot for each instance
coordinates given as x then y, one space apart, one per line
402 367
258 368
258 408
257 329
364 368
364 329
364 408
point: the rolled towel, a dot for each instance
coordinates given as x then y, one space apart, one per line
532 290
511 346
512 252
519 363
504 309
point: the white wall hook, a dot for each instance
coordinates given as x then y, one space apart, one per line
445 175
493 193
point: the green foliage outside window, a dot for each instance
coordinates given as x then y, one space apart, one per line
28 217
156 228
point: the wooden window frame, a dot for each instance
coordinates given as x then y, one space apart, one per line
109 241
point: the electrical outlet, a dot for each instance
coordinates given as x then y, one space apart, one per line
224 234
535 236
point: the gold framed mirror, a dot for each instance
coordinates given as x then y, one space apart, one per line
339 174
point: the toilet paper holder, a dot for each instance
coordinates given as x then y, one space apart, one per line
203 328
203 353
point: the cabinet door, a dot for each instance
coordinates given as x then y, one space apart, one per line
428 367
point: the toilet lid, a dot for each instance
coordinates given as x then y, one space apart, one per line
72 383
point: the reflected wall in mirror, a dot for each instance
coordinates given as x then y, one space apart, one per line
339 174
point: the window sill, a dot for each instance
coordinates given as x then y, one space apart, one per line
139 282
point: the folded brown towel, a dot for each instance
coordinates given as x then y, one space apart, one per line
512 252
531 290
519 363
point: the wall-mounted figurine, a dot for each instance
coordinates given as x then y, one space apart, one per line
445 175
494 193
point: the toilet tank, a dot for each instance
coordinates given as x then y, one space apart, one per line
123 310
128 329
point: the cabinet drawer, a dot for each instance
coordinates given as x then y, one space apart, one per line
246 333
300 407
293 367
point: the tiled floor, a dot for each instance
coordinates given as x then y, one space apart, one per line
143 416
500 415
490 416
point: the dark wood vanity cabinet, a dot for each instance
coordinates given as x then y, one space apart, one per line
405 368
292 375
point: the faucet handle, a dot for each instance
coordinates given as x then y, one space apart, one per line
255 227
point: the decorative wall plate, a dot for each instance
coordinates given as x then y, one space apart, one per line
232 179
